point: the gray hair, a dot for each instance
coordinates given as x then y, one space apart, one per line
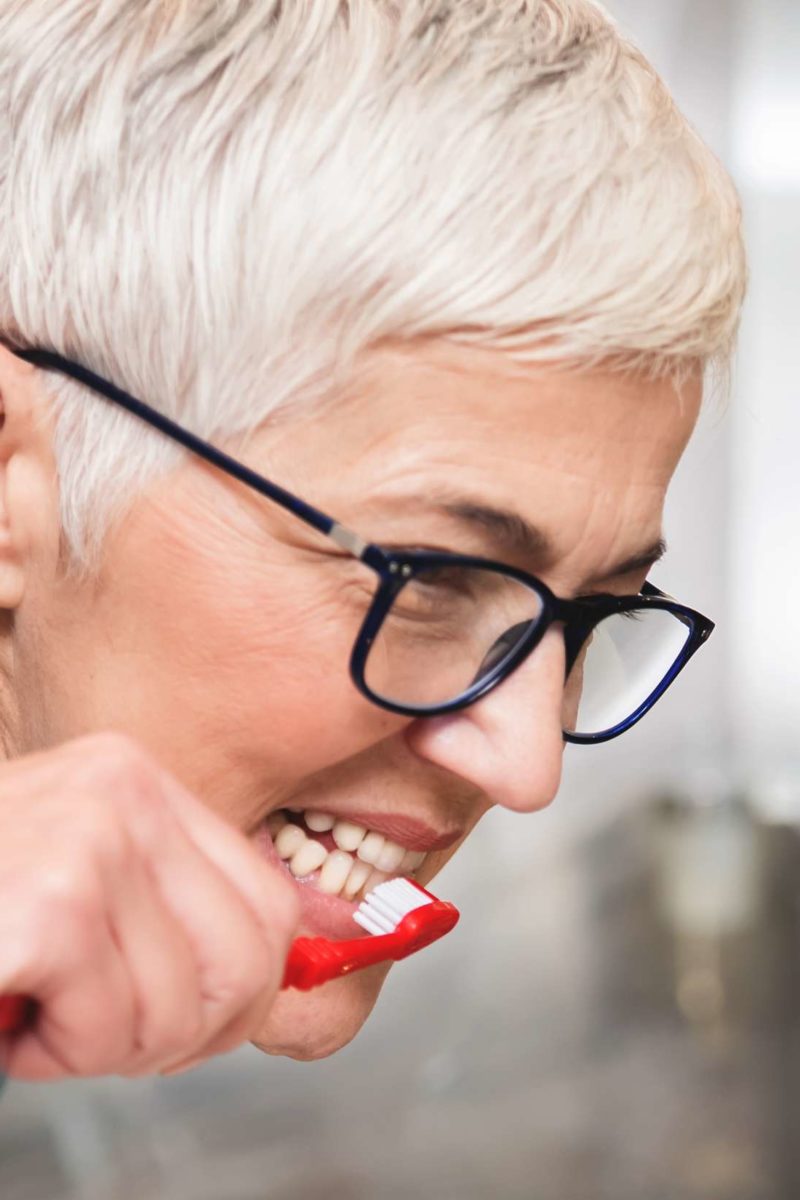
218 204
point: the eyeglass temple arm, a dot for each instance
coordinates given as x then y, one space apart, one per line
48 360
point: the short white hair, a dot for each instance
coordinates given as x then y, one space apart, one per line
218 206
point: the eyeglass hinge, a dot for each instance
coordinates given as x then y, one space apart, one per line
348 540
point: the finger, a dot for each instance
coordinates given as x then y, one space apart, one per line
236 961
85 1018
144 789
162 966
271 896
239 1030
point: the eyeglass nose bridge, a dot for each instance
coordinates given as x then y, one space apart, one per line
578 625
577 632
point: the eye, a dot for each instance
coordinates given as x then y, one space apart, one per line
438 592
445 579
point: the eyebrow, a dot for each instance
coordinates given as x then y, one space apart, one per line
518 537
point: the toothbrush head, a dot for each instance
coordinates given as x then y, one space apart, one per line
399 904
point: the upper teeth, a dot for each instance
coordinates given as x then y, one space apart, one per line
320 822
340 873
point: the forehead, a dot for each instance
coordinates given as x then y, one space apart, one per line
421 401
586 456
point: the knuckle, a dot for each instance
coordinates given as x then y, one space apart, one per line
143 803
232 990
124 776
117 761
112 751
241 982
94 834
67 913
67 889
56 930
55 925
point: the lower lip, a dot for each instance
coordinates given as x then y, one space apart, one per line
320 915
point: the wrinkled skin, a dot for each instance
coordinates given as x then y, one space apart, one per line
218 630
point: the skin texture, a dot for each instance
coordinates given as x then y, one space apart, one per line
217 632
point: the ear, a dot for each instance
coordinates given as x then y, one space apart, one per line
29 520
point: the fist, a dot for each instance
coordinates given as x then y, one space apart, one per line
150 933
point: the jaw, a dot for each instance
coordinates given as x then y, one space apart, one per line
312 1025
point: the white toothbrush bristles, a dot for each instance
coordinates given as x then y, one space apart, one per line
384 908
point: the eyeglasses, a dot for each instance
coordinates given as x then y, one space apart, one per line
443 630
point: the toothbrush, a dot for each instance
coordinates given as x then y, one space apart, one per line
402 917
13 1013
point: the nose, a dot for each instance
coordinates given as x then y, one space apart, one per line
509 744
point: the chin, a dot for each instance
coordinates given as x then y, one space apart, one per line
312 1025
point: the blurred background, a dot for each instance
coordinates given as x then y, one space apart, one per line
617 1017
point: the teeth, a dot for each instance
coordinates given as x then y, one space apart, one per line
359 874
348 836
370 848
339 872
333 876
320 822
390 857
289 841
412 860
275 823
308 858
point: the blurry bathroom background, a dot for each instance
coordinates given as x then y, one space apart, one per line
618 1015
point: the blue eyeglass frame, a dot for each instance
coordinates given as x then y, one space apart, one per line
396 569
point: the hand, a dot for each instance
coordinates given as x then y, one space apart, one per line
150 933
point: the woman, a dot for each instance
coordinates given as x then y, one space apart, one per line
449 275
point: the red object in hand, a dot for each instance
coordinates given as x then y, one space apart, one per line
14 1013
421 919
313 961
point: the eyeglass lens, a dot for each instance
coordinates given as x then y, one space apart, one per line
450 626
619 666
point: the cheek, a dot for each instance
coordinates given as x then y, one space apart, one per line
297 626
280 666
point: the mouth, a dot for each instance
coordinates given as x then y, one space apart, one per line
336 862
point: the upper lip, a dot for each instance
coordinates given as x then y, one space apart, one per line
408 831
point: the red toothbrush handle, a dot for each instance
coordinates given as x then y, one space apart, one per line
313 961
14 1012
